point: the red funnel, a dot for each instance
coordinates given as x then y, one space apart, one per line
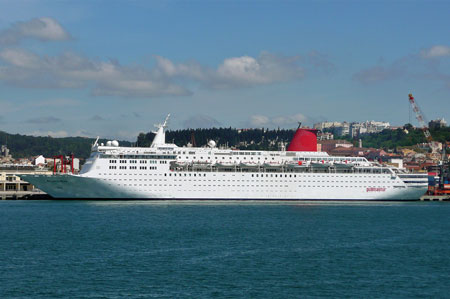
305 140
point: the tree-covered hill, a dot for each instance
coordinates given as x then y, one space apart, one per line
265 139
242 139
257 139
22 146
391 139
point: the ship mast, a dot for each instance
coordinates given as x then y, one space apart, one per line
160 134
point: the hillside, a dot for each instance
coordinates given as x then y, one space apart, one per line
391 139
264 139
256 139
22 146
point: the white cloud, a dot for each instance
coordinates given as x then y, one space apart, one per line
243 71
201 121
43 29
138 88
242 68
287 121
23 68
55 134
259 120
70 70
410 67
108 78
436 51
266 69
20 58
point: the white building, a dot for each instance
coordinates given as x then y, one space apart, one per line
40 161
437 123
368 127
327 125
338 128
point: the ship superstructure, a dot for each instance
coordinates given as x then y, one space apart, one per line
166 171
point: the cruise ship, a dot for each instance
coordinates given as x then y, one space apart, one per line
165 171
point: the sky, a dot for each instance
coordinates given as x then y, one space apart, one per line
116 68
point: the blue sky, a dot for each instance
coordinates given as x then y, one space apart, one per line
114 68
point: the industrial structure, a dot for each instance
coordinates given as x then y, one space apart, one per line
420 118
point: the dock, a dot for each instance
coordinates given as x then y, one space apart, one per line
23 195
435 198
13 187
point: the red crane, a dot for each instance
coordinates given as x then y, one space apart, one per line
419 115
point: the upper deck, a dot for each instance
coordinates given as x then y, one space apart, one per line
159 149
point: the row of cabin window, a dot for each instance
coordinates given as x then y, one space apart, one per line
330 159
199 174
106 156
308 181
141 161
232 153
257 186
223 158
276 182
134 167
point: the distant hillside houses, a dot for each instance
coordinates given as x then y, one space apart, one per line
5 156
353 129
437 123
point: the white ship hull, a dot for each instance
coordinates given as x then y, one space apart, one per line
79 187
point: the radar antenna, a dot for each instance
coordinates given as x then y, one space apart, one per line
164 124
160 135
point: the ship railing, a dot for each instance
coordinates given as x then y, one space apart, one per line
282 168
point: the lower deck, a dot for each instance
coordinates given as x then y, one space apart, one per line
209 185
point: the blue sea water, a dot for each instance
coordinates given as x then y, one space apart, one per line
138 249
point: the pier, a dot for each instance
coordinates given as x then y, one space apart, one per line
35 194
435 198
13 187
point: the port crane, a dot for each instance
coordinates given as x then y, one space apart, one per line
419 115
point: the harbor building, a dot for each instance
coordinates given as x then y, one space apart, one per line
12 186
